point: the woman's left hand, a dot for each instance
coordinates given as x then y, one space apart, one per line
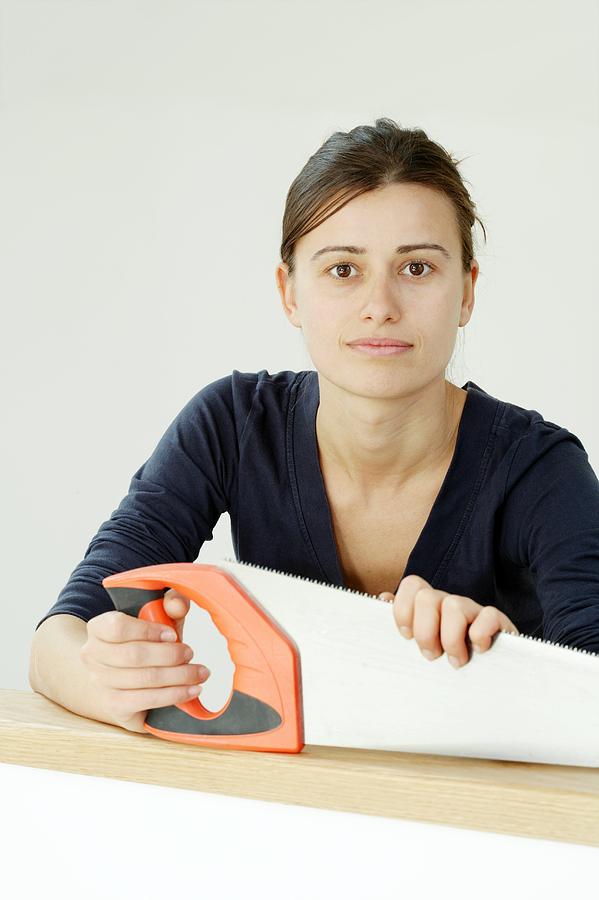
439 621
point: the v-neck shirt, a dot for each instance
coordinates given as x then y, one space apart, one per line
514 525
424 559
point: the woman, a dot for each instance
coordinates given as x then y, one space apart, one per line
374 472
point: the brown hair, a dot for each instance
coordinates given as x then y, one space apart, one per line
367 157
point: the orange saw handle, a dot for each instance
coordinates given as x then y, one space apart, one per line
264 709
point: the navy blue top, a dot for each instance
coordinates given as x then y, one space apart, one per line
515 524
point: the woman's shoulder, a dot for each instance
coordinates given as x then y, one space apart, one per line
531 439
237 386
228 402
285 379
521 421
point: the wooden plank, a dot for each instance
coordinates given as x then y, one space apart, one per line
525 799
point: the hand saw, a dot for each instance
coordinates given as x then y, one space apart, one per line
320 664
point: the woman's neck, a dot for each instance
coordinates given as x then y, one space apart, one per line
380 446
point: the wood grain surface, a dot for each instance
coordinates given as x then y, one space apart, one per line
525 799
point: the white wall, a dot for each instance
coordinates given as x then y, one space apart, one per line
146 149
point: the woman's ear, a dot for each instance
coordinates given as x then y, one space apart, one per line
286 286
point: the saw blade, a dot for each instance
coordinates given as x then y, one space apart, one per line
365 686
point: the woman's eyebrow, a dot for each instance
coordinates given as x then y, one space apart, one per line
403 248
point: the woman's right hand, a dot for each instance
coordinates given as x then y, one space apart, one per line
134 669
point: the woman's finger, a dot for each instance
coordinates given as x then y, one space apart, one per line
489 621
427 621
403 605
457 613
177 607
417 613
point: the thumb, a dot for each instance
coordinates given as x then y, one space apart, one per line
176 606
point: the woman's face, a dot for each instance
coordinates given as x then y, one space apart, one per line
418 295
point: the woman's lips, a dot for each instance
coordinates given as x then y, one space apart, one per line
380 349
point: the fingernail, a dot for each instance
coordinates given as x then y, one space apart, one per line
454 661
429 654
405 631
476 648
168 635
194 689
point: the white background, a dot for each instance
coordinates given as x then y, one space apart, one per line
146 149
102 837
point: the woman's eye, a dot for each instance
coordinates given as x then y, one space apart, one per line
417 263
340 266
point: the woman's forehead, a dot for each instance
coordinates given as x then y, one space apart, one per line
413 215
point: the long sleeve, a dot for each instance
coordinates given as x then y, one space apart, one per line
551 525
174 501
